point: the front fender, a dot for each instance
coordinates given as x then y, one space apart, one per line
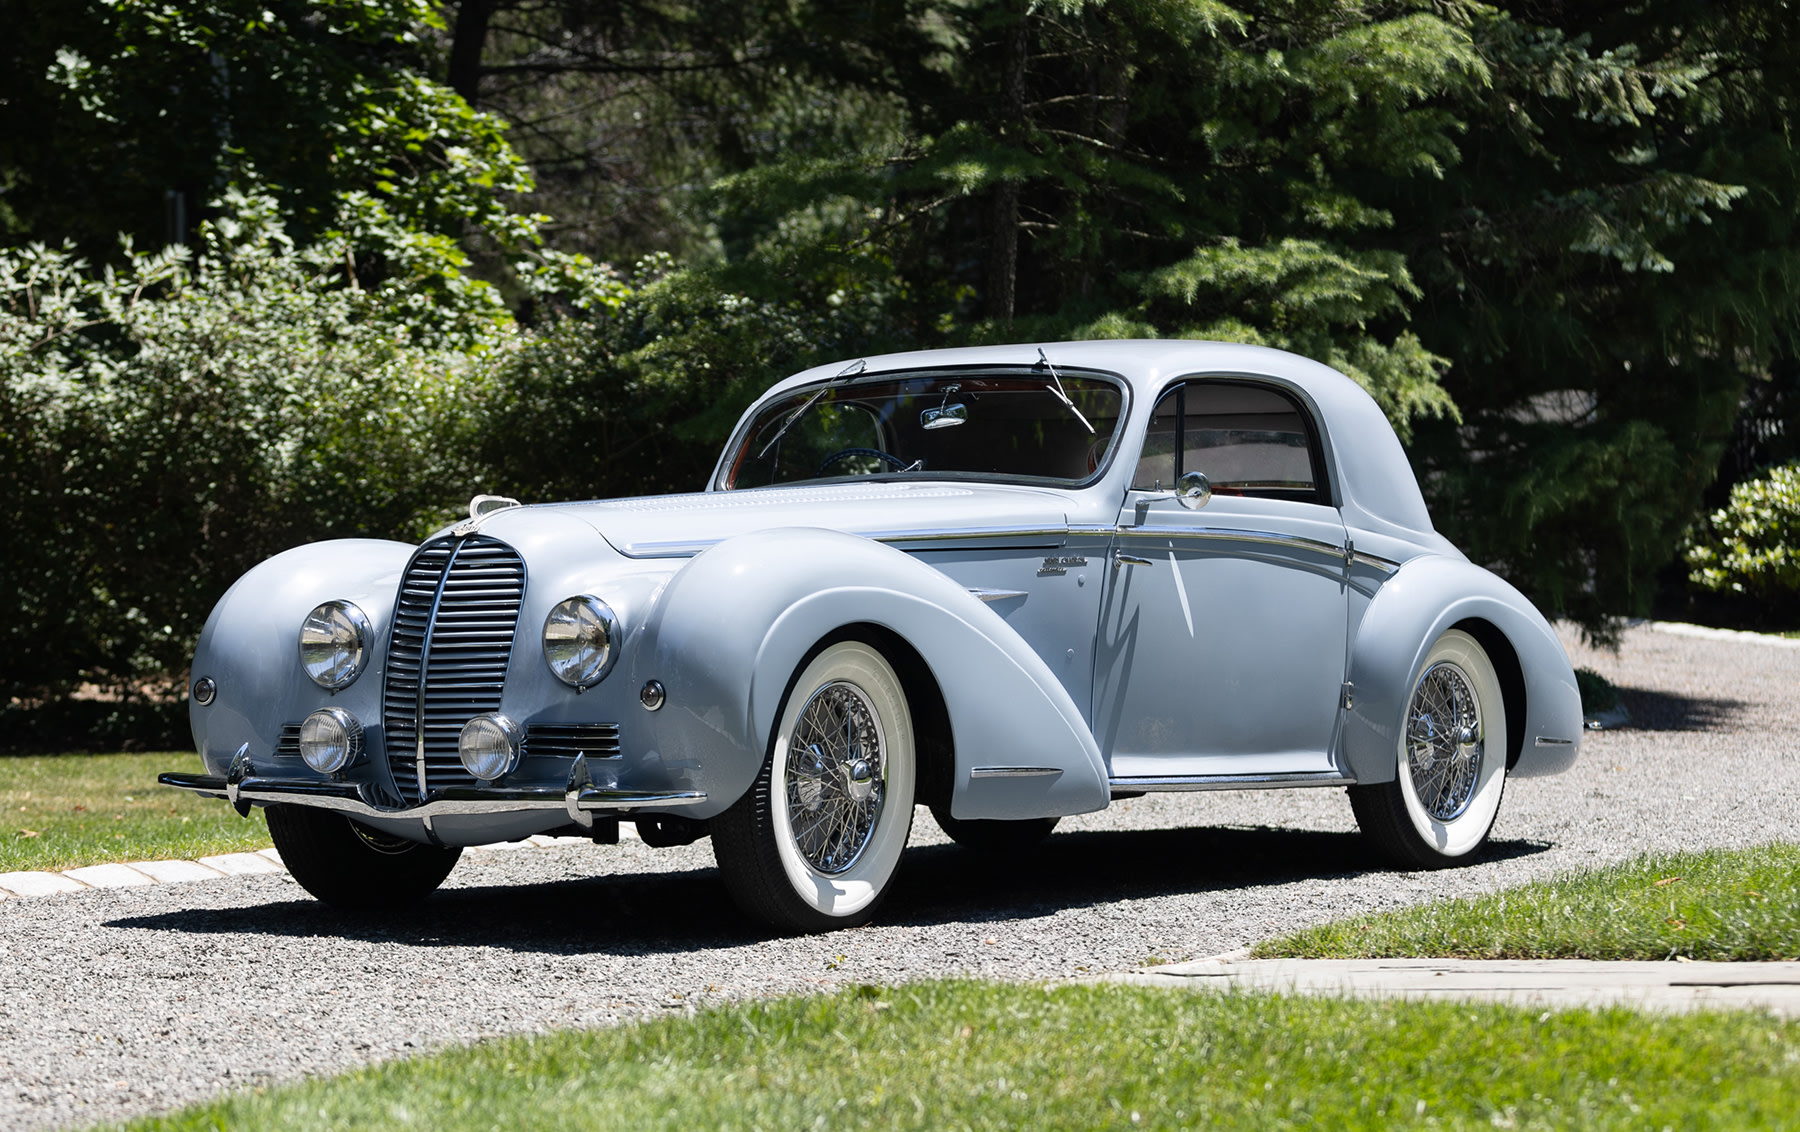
731 629
1412 609
250 645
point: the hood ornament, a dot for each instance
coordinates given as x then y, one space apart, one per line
480 508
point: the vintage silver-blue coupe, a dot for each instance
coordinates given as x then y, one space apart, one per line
1009 583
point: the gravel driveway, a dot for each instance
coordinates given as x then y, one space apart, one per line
119 1002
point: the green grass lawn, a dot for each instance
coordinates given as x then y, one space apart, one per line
983 1056
1719 904
63 811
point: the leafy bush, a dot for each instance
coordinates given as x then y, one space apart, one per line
1597 692
166 425
1751 546
633 388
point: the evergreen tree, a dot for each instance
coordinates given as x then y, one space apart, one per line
1609 264
132 116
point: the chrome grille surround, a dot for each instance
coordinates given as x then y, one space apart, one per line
454 623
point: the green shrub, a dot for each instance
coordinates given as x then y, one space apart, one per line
1597 692
166 425
635 390
1751 546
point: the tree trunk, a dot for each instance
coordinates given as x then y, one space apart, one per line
1003 219
466 44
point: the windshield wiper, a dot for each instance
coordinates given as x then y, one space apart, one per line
1061 394
849 371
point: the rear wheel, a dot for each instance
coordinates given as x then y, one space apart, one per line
350 866
987 835
815 842
1451 762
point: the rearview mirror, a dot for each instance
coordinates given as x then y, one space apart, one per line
945 416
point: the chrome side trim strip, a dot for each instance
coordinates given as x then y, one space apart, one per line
347 798
1547 741
676 548
951 534
987 595
1231 534
679 548
1015 772
1376 562
1231 781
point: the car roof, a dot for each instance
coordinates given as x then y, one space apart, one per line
1377 485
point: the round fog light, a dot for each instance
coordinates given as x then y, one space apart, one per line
489 746
330 740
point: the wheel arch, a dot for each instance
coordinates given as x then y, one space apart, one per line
733 627
933 738
1505 659
1424 599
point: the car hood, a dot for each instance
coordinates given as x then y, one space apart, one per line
673 526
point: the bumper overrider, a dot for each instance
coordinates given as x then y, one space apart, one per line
579 798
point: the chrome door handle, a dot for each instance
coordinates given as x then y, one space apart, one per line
1120 558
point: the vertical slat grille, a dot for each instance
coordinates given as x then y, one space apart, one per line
470 640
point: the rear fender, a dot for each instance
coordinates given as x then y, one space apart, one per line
732 628
1428 596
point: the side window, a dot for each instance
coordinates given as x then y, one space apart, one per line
1248 439
1156 470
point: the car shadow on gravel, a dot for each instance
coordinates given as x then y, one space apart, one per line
688 910
1648 710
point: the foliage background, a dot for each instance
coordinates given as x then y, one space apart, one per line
391 238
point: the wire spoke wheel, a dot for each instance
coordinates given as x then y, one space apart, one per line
814 843
1450 762
835 772
1445 742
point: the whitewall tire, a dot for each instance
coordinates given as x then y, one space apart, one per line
816 841
1450 762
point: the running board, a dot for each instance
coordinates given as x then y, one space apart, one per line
1227 782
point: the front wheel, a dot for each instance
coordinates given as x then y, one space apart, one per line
353 867
1451 762
815 842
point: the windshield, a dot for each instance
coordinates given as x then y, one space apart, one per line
975 425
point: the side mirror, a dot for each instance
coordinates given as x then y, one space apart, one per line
1193 489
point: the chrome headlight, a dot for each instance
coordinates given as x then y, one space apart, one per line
330 740
490 745
334 642
580 640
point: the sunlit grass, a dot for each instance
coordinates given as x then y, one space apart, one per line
1741 904
979 1056
64 811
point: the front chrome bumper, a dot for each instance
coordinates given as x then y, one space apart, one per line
579 798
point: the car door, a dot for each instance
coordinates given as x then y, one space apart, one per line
1221 650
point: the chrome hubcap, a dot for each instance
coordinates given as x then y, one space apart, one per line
1444 741
834 777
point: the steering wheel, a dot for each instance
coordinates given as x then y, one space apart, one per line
844 453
